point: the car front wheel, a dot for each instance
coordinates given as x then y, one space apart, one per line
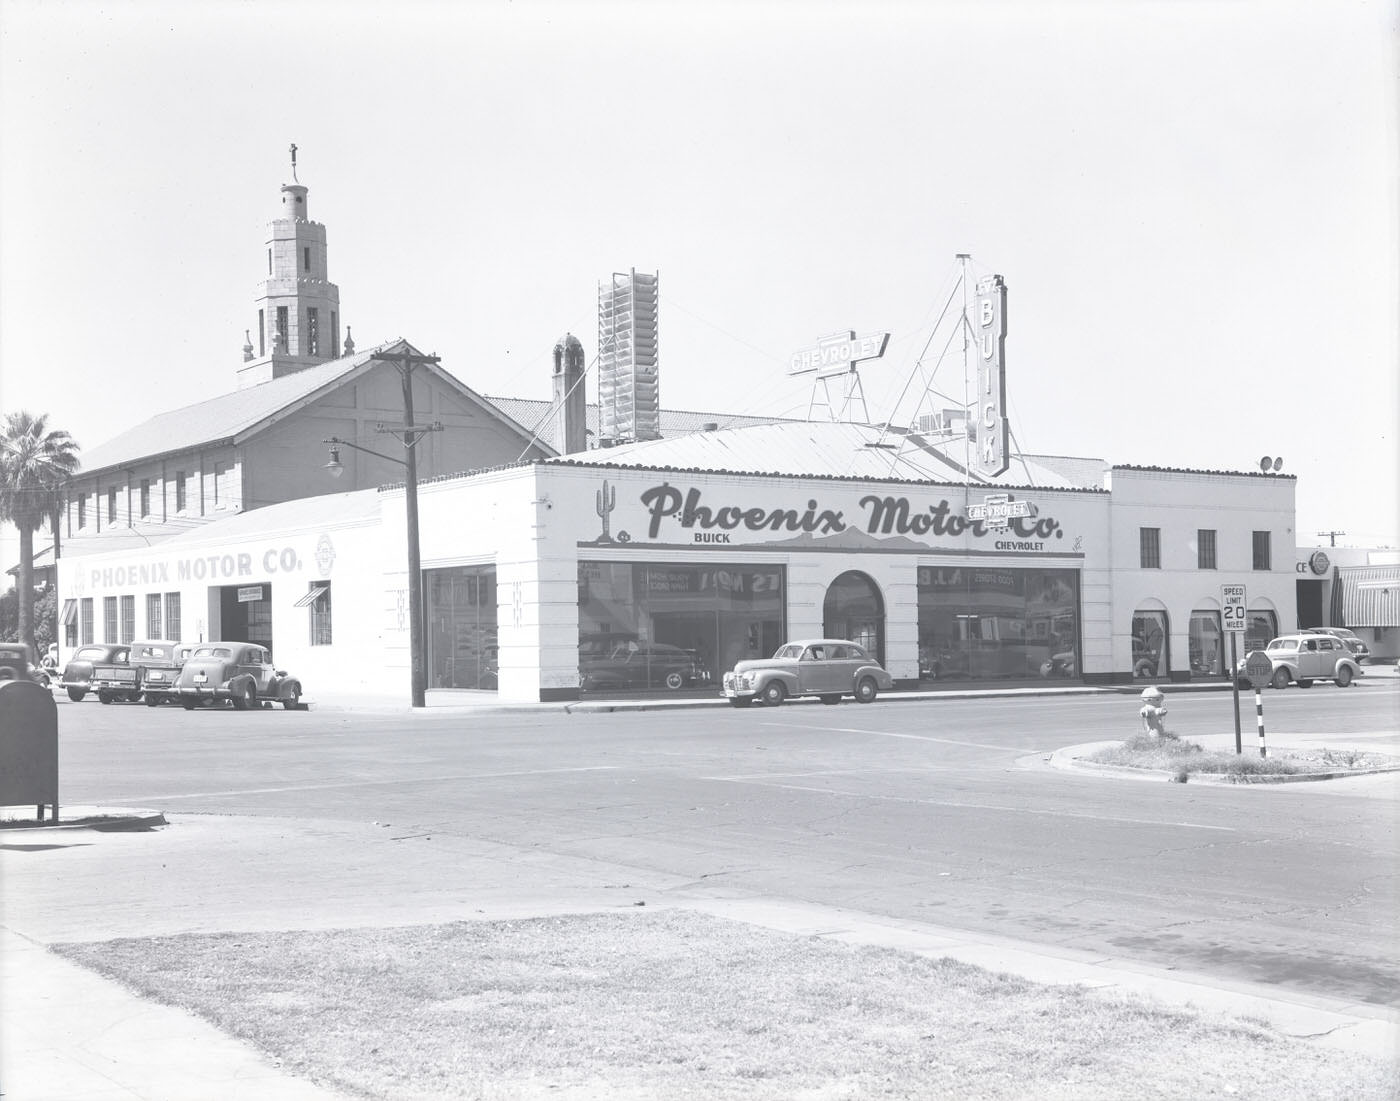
774 693
104 697
1280 678
292 701
1343 677
866 691
76 694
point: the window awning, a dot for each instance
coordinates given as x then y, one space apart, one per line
70 612
311 597
1370 595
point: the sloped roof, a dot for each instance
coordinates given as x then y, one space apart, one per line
233 416
533 415
822 450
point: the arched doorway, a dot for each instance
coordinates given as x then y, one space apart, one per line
854 610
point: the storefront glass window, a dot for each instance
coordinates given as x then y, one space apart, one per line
985 623
462 647
644 627
1207 645
1260 627
1150 634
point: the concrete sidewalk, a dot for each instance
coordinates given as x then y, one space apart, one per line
68 1033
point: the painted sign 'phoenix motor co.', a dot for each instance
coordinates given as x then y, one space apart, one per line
674 510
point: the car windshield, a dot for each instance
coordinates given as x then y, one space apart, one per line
152 651
90 653
791 650
1284 644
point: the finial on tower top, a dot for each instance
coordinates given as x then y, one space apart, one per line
294 163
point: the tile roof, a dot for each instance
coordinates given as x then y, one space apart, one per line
823 450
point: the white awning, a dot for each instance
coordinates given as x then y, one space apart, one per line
311 597
1370 595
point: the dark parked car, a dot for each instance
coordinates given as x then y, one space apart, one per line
239 672
77 674
634 665
826 667
158 662
15 664
1359 650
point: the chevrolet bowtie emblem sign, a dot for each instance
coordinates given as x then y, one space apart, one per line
838 354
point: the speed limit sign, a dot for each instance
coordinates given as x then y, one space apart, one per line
1233 600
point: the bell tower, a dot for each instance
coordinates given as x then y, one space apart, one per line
298 306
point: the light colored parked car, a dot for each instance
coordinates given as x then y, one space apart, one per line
1308 657
239 672
825 667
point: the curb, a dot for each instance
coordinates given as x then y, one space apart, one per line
1068 760
106 819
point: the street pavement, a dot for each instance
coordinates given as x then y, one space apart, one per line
67 1033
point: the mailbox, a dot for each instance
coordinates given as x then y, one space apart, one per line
28 747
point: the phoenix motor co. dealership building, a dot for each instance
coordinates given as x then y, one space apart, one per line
722 545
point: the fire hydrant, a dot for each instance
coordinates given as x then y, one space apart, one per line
1154 715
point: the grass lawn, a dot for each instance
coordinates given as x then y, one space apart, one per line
1183 758
673 1004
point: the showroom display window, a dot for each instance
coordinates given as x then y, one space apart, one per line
644 627
994 623
461 610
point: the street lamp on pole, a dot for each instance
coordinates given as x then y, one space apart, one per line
404 363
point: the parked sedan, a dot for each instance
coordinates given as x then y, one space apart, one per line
639 666
239 672
15 664
1308 657
824 667
77 674
1359 650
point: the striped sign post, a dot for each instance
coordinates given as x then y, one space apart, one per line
1258 668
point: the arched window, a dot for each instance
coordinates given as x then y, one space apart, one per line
855 611
1150 650
1207 643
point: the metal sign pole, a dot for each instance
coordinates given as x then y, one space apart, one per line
1235 688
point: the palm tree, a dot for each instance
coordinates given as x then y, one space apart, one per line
35 463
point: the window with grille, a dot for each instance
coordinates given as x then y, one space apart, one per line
1150 548
317 601
153 618
172 617
109 619
128 619
85 615
1205 549
1263 550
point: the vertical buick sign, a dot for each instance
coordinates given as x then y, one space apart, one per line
989 325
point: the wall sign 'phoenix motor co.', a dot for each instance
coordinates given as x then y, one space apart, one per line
689 513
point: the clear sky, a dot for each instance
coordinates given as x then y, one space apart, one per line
1194 205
